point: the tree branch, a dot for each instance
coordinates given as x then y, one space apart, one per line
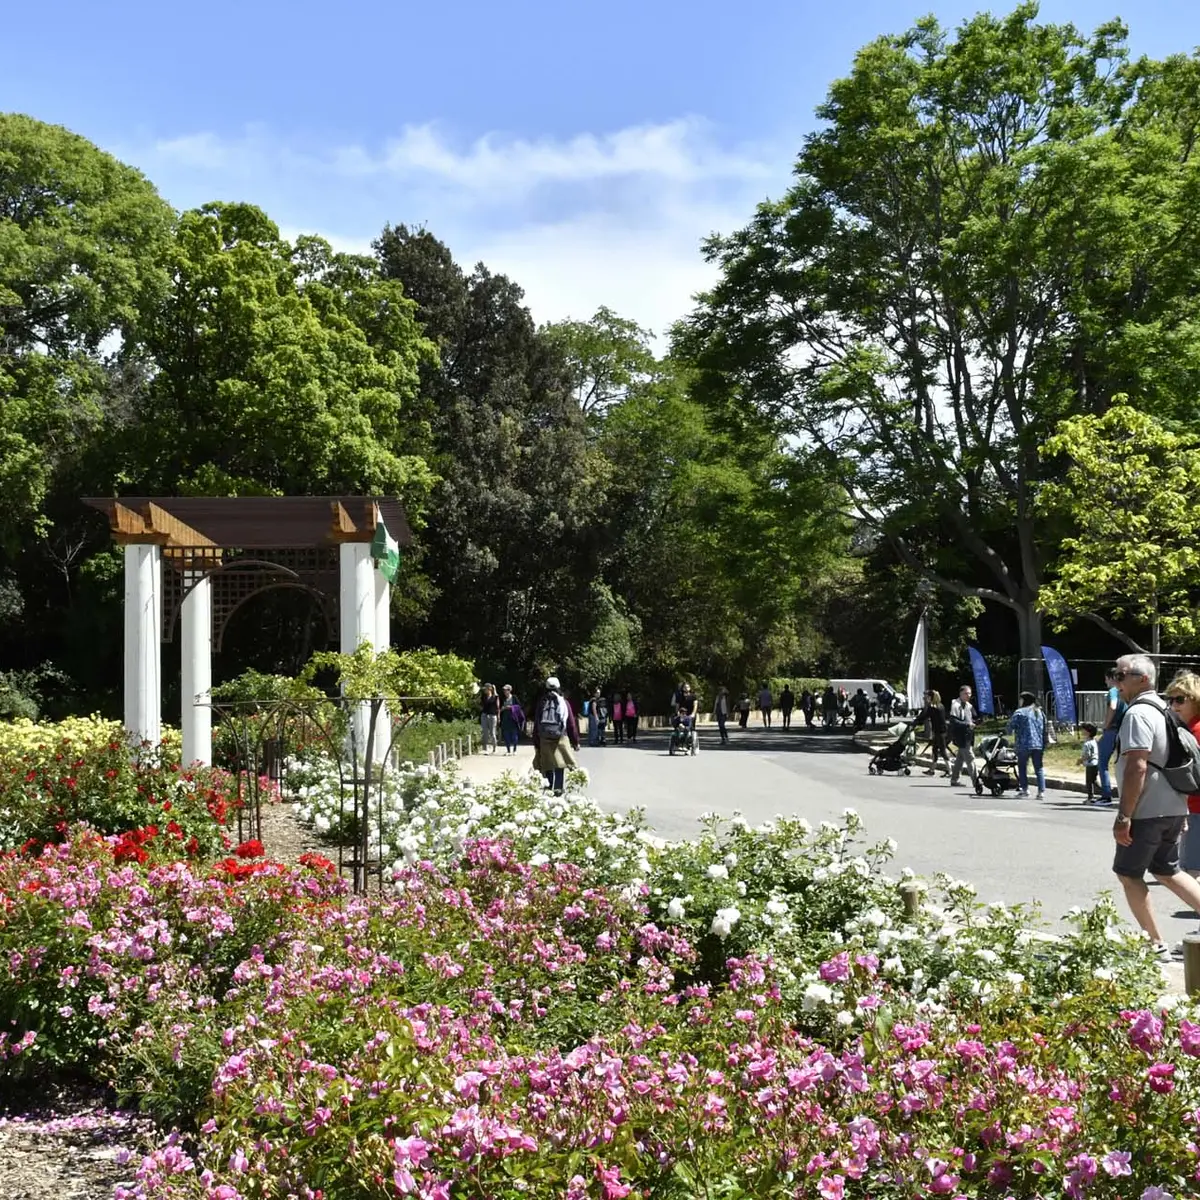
1113 631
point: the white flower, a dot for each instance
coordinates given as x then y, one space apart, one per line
731 859
776 908
538 860
718 871
1103 973
741 887
817 994
844 1018
676 910
724 921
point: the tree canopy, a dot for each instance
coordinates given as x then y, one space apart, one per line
988 235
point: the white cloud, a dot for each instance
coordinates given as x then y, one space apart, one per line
610 218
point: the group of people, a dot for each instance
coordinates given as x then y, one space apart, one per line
500 712
620 713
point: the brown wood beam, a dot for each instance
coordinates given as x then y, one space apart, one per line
178 534
345 528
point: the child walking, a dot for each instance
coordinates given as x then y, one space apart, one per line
1089 758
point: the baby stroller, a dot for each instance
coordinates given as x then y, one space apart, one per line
999 770
898 754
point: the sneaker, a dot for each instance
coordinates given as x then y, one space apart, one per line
1041 795
954 783
1104 802
1162 952
930 771
1023 795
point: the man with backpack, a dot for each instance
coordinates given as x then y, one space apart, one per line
555 734
1157 766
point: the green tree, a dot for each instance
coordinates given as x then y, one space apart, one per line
605 358
979 240
279 370
81 239
1126 492
512 547
719 536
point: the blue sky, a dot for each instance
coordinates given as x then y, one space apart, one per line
583 149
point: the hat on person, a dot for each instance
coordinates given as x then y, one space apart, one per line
553 683
508 687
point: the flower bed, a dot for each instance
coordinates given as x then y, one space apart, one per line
80 771
749 1014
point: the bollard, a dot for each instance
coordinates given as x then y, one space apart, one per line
458 747
433 759
470 750
910 897
1191 963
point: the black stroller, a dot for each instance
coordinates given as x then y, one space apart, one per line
999 770
897 755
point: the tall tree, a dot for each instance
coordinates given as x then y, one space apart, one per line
278 369
977 241
81 240
605 357
511 549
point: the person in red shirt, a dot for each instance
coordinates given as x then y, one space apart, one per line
1183 695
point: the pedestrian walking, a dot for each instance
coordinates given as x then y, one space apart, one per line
597 716
631 717
489 717
1149 827
1028 728
829 702
765 704
960 730
860 706
512 720
1089 760
1113 717
617 715
744 706
933 715
555 735
1183 695
721 712
808 704
787 701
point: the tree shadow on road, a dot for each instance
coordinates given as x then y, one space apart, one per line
756 741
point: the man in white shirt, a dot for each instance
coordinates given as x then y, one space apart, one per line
1153 814
960 728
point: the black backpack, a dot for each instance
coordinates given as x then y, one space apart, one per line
1182 768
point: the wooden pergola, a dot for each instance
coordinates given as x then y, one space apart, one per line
221 551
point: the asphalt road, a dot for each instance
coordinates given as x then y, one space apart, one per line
1057 851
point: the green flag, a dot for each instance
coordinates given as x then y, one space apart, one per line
385 550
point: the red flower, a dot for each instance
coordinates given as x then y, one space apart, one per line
251 849
316 862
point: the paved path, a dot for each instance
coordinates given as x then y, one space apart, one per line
1056 851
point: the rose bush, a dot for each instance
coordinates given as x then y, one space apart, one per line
81 771
494 1028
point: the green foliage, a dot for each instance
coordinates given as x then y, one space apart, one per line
980 237
412 680
1127 493
415 740
80 255
606 358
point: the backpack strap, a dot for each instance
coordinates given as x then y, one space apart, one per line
1174 745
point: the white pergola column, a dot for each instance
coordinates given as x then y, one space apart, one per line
196 674
357 616
143 643
382 641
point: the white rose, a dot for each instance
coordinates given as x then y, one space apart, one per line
776 908
817 994
676 910
718 871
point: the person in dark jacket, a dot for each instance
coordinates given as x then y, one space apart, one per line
935 715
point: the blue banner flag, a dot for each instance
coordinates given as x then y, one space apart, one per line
1063 685
984 700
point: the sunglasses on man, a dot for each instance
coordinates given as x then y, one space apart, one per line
1121 676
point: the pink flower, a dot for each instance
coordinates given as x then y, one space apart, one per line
832 1187
610 1180
1160 1078
1189 1038
837 969
1116 1162
1145 1029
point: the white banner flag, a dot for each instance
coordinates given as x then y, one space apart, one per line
918 673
